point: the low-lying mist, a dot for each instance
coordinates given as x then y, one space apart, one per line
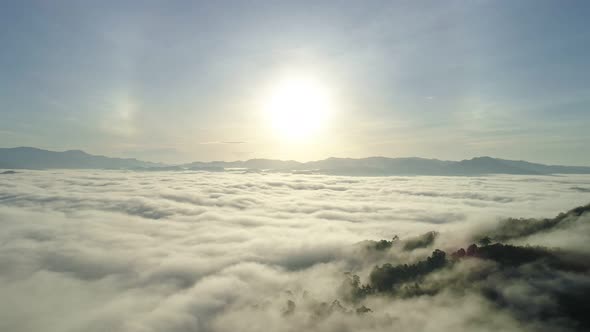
198 251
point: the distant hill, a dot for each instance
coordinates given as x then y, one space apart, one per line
33 158
375 166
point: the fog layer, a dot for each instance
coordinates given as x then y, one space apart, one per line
198 251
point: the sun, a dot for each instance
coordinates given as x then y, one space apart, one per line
298 107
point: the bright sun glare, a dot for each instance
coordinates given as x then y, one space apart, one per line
298 107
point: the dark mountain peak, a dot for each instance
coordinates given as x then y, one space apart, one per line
23 148
33 158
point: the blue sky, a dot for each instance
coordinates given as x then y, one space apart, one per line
180 81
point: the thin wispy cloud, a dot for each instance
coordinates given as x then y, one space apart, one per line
223 142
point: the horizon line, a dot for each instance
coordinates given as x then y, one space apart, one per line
285 160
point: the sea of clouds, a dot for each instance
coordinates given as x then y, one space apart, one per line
198 251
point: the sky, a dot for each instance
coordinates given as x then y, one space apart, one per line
180 81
